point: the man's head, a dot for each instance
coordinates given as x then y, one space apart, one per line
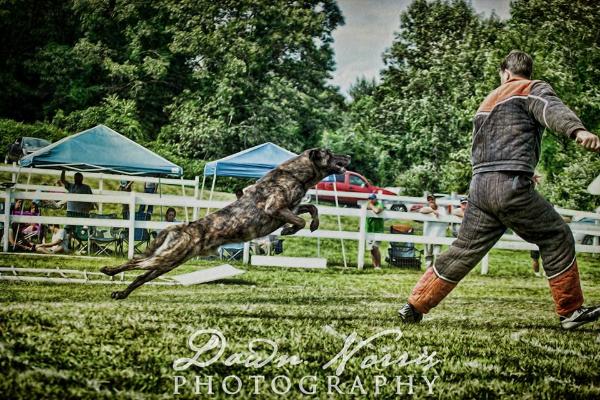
463 202
372 197
516 64
78 178
170 215
54 227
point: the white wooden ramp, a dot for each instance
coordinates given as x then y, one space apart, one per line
208 275
290 262
82 276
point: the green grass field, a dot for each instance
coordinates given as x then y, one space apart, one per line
495 336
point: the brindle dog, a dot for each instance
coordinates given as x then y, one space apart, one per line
272 202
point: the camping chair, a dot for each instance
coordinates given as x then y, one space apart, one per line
79 234
403 255
277 246
101 239
141 236
231 251
22 235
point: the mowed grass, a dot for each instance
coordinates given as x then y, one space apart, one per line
495 336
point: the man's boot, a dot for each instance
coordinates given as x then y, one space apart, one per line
568 298
427 293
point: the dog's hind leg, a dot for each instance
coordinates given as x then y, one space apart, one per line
173 253
314 215
129 265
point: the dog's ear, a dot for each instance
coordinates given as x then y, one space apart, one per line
315 155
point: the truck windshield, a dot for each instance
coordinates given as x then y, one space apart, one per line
334 178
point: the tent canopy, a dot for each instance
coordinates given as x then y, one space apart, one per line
100 149
250 163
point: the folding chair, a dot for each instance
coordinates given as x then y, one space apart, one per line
403 255
141 236
101 239
78 234
231 251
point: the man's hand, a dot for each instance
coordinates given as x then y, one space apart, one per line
588 140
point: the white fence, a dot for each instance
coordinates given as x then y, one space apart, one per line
133 199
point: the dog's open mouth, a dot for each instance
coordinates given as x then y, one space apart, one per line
340 164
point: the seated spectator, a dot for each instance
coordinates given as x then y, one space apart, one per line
77 207
17 207
58 243
170 215
34 227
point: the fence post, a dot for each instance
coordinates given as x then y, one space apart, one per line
246 258
131 239
6 219
485 264
362 236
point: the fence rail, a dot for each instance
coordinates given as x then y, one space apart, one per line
134 199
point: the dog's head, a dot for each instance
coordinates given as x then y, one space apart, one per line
328 163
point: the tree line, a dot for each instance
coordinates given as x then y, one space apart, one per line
196 80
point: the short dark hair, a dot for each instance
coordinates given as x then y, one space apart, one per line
518 63
171 209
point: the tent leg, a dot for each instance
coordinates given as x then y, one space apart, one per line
212 190
187 217
318 238
195 210
339 223
202 190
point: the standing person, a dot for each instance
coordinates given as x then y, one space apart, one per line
374 225
78 208
149 187
125 186
506 146
433 229
535 262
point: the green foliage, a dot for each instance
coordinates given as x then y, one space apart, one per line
118 114
211 78
443 62
11 130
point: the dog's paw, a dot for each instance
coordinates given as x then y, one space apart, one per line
118 295
314 225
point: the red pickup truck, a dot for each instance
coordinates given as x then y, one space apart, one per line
353 182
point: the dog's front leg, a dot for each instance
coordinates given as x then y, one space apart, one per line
314 215
288 216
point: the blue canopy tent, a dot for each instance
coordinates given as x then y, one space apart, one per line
250 163
100 149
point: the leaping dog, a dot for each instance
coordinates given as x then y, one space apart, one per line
272 202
